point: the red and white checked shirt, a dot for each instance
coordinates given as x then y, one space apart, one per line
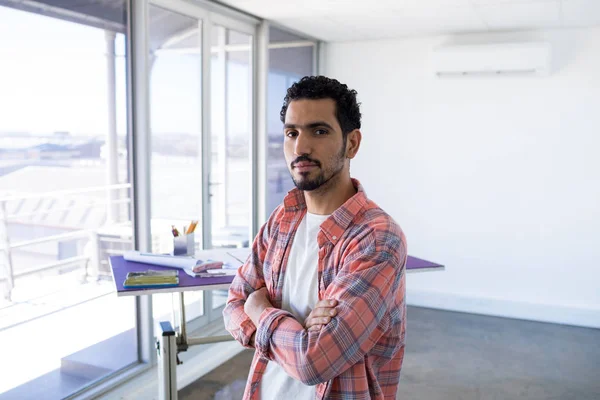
362 260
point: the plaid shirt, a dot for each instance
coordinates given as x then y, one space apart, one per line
362 259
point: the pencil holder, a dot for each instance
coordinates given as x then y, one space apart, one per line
184 245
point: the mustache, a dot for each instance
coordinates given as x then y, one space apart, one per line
305 159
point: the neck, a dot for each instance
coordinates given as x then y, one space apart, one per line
329 197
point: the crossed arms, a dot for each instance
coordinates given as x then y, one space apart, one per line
367 289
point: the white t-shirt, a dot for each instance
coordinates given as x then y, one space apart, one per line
300 294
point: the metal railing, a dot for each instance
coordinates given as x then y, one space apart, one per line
91 262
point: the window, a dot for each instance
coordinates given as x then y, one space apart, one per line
231 135
65 185
64 197
175 121
178 157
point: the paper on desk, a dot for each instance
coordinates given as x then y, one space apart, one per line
240 254
217 272
230 263
164 260
230 259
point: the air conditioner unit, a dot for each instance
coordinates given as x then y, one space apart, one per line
492 59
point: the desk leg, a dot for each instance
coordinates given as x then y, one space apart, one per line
167 363
182 342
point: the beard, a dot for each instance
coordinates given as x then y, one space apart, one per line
307 184
335 166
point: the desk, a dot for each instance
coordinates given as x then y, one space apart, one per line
121 267
171 342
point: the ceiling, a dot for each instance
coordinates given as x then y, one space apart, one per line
350 20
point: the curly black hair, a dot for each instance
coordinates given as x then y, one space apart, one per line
347 109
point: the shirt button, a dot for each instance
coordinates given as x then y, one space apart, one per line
334 237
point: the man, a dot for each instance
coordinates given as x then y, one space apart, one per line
321 297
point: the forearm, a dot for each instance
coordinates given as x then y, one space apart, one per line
254 306
238 324
281 338
254 310
248 279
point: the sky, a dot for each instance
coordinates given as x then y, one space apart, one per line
53 77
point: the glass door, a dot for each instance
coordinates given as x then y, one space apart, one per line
231 134
176 97
201 90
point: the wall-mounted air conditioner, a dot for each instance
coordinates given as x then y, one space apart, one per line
492 59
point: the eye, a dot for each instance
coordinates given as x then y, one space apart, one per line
291 134
321 132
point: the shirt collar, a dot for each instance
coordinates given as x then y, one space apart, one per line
338 222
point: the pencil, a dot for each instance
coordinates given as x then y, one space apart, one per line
191 228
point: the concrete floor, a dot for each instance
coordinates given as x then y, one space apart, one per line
455 356
452 356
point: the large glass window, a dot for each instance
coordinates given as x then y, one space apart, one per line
65 197
178 157
231 135
65 187
290 58
176 125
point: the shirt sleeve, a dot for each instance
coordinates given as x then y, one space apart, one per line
248 278
370 291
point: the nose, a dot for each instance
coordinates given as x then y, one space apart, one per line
303 144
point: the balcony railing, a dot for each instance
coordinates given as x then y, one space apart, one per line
115 209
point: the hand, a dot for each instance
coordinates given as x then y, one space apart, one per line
321 315
256 303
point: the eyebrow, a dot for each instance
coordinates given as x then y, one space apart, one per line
311 125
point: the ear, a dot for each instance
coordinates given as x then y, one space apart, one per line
353 143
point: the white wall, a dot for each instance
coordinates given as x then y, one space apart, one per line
497 178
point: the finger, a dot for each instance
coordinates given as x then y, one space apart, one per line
317 321
326 303
319 313
315 328
323 312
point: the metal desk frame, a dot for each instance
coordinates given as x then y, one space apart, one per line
171 343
